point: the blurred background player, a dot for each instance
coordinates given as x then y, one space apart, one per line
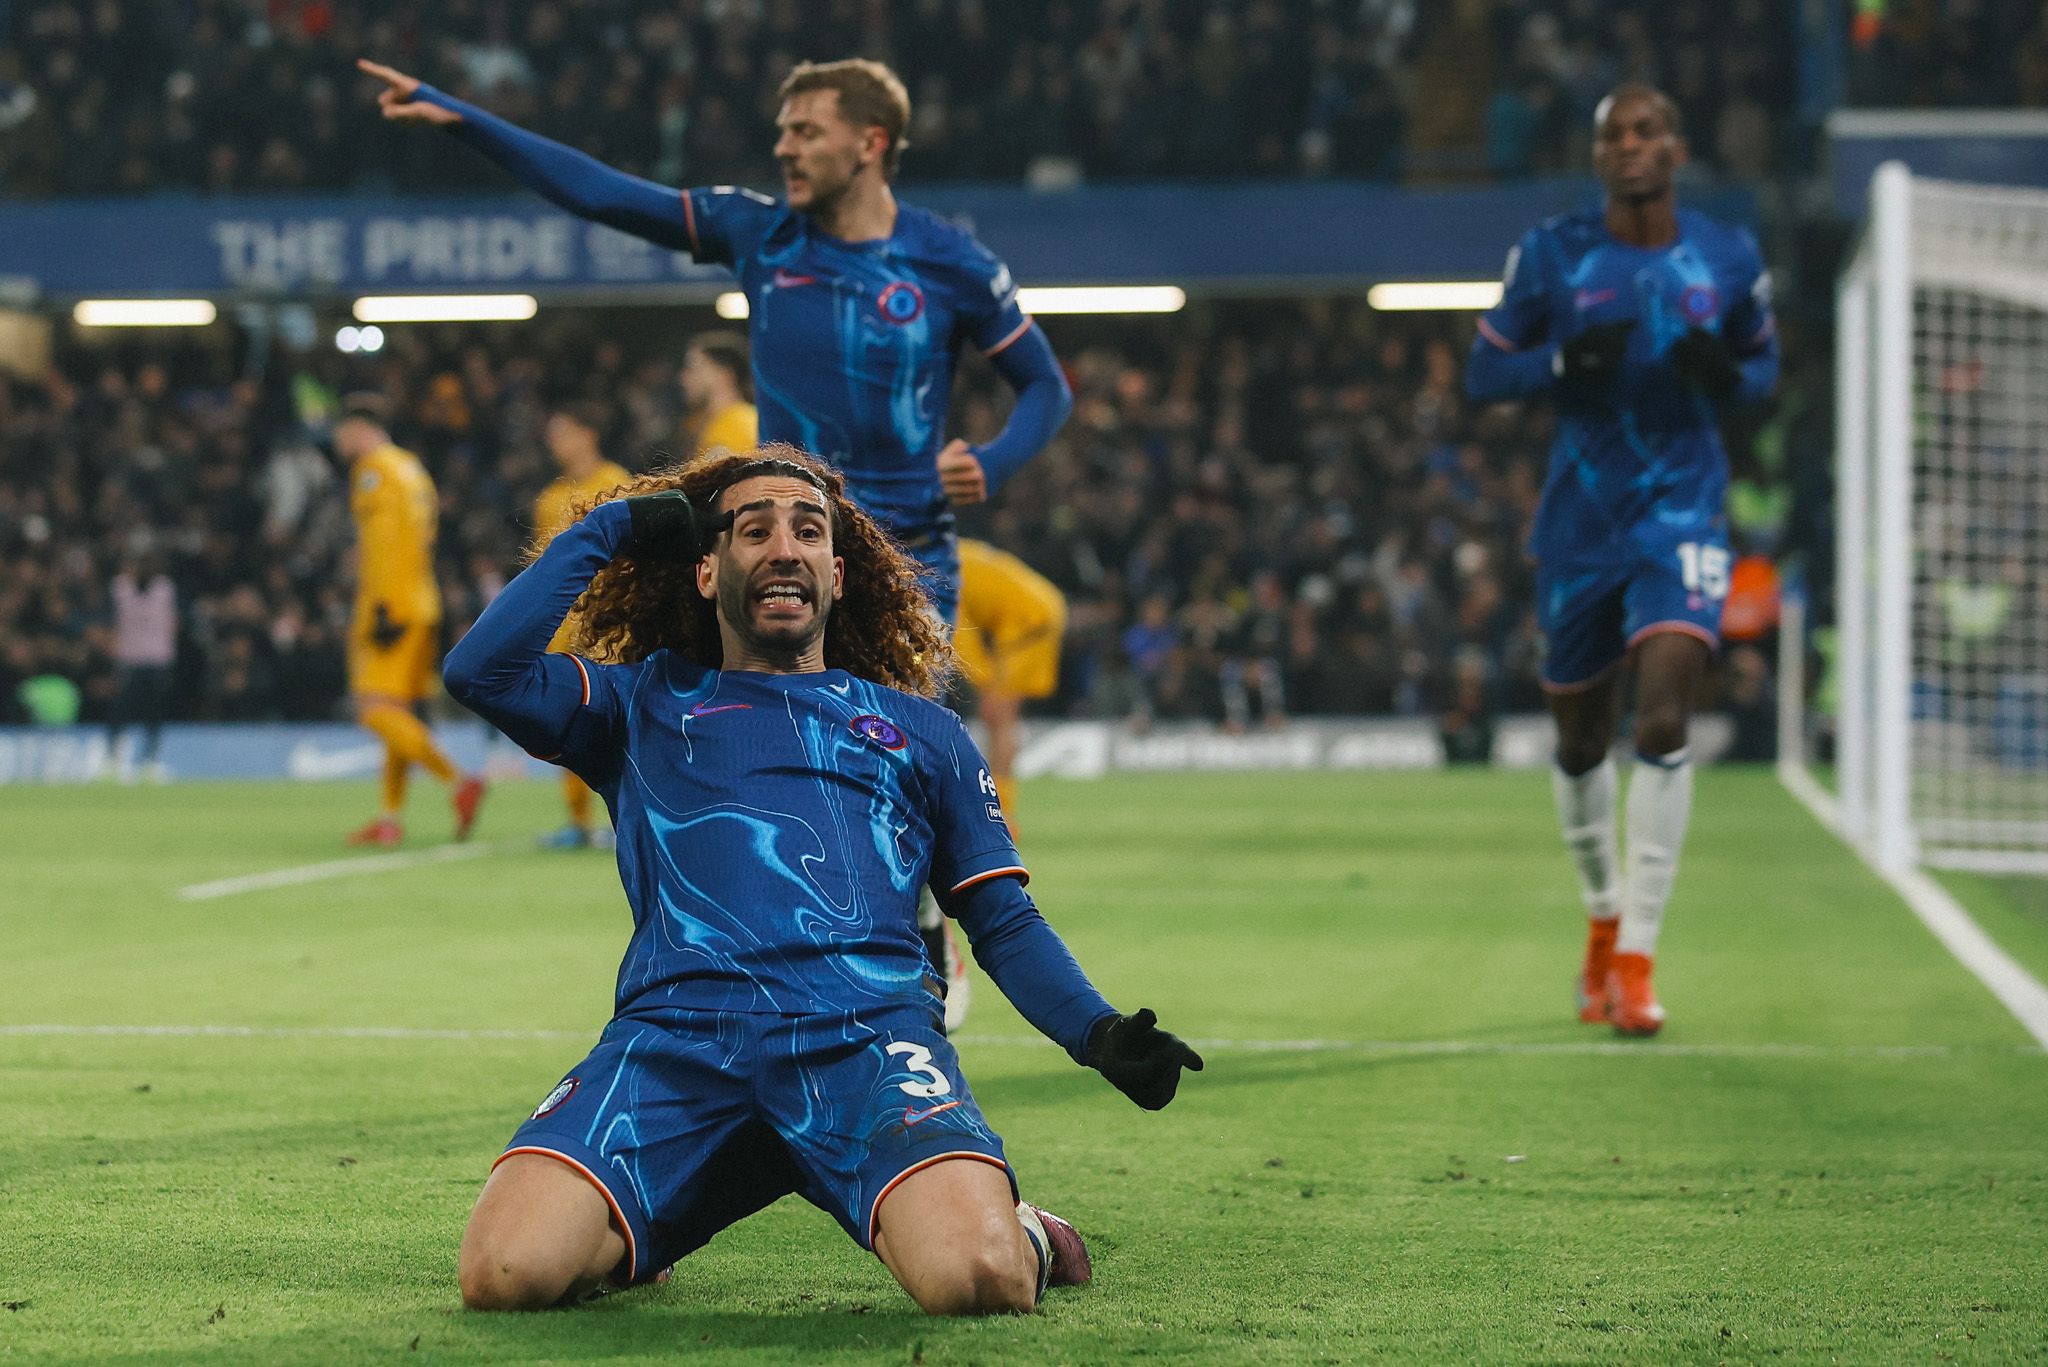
395 636
859 304
1012 621
718 384
1641 322
572 437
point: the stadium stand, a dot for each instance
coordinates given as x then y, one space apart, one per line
216 95
1257 509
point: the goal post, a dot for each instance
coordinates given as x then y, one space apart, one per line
1941 571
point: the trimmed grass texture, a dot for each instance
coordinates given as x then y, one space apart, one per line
1404 1147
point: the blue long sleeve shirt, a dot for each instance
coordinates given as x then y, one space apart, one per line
1639 454
854 343
774 830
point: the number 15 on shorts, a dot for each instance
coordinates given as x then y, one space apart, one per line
1704 568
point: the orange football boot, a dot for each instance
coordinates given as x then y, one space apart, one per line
383 831
469 796
1590 991
1631 1001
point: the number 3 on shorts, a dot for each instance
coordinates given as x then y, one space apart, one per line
918 1059
1704 568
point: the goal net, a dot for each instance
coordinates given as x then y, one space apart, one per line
1942 527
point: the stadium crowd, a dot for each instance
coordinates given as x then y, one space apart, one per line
1256 510
99 97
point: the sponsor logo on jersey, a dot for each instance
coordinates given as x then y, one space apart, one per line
1699 303
880 730
901 302
1586 299
554 1100
700 710
995 814
789 280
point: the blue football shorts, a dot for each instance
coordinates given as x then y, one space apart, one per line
688 1121
938 555
1593 614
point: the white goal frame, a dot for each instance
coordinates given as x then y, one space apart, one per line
1935 790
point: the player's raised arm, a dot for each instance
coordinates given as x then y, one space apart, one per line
502 670
577 182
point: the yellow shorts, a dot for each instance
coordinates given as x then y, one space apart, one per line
404 669
1023 664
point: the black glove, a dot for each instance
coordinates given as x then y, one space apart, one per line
1139 1059
671 524
385 633
1594 354
1702 361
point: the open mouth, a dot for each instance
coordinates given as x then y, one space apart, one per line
784 594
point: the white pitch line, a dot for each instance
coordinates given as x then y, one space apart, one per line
2019 991
333 868
1469 1048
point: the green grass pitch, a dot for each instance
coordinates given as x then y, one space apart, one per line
1403 1149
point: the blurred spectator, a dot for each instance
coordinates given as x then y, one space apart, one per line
145 648
1259 510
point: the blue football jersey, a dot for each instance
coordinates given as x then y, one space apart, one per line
775 830
1638 460
854 343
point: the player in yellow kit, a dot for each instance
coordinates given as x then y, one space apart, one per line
1012 620
572 436
394 641
718 383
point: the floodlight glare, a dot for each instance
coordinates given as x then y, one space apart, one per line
1416 295
1102 299
143 313
446 308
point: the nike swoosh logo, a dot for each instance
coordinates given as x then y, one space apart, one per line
840 688
1585 299
784 280
700 710
911 1117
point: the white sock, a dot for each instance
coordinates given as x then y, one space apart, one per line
1585 808
1659 805
1041 1242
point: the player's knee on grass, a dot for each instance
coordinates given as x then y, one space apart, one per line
997 1276
950 1237
539 1233
495 1278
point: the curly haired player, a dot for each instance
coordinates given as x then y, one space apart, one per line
756 714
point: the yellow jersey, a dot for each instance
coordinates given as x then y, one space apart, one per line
735 427
1005 597
551 511
397 515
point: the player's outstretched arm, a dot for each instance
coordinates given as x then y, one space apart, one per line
1044 399
579 183
1033 967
